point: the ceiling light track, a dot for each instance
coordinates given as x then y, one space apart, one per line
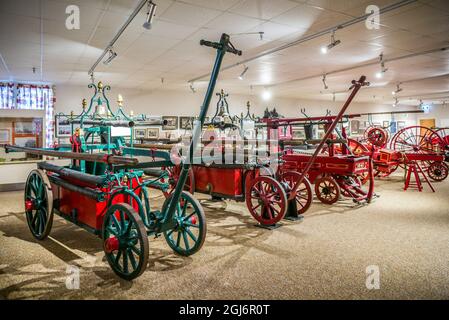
117 36
368 64
348 23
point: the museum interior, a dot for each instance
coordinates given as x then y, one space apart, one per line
224 149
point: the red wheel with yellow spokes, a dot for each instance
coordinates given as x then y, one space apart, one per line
266 200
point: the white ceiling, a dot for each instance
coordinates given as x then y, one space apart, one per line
170 50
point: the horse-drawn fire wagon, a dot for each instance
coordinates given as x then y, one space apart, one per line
103 190
270 195
334 172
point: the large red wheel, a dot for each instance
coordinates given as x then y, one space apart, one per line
417 139
376 136
444 135
438 171
303 195
327 190
173 177
266 200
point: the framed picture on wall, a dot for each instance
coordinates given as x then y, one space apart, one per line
401 125
186 123
140 133
355 126
5 136
386 124
172 123
299 133
29 142
62 130
152 133
393 127
24 128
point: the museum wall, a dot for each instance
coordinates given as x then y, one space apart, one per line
183 103
179 103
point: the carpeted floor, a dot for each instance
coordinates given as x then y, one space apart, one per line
404 234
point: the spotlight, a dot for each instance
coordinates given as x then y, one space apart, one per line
112 55
383 69
398 89
333 43
150 15
266 95
243 73
192 88
396 102
324 82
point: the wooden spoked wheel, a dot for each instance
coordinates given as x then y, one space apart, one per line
125 241
39 204
266 200
417 139
437 171
304 194
376 136
443 133
189 233
173 177
327 190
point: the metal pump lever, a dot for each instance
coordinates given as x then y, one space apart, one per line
216 45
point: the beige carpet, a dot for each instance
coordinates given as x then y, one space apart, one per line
405 234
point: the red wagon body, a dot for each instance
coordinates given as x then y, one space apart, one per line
81 208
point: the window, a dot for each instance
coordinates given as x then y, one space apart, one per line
20 96
6 95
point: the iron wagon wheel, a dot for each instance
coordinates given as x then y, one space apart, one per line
189 233
266 200
125 241
303 195
173 177
39 204
327 190
438 171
